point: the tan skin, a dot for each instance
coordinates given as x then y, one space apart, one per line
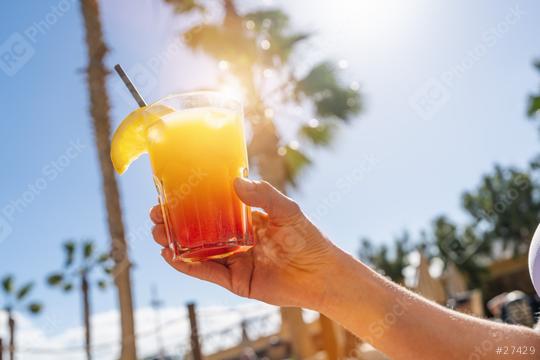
294 264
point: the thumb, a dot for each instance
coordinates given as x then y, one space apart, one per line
263 195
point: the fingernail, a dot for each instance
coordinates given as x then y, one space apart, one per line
245 183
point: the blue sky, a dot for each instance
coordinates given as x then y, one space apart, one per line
444 84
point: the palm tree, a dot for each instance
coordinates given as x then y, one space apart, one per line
99 109
260 53
77 270
15 298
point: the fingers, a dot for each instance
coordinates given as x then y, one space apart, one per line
263 195
160 235
259 219
208 270
158 231
156 215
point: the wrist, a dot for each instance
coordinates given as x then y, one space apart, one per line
336 279
350 284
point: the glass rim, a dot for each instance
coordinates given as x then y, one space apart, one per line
202 94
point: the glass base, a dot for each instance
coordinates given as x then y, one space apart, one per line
211 251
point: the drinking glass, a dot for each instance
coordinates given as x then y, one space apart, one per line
196 150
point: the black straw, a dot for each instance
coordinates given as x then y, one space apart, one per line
132 89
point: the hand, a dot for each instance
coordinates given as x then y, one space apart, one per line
288 266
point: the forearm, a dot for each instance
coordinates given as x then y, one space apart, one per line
406 326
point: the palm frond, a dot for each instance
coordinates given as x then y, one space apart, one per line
271 20
88 249
211 39
55 279
331 99
319 134
533 107
186 6
35 308
69 249
7 284
23 291
295 162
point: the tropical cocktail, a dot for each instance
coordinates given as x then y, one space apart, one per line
197 148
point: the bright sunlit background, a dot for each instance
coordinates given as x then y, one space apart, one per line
444 85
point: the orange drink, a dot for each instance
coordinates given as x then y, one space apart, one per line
197 148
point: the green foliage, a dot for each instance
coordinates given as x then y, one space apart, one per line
77 267
25 290
102 284
255 42
55 279
15 296
295 162
331 99
35 308
273 25
274 21
88 249
503 211
506 207
318 134
461 246
185 6
533 107
389 261
69 248
7 284
210 39
103 258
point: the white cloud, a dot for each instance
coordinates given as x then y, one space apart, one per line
218 326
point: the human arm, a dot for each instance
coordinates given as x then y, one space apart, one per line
405 325
294 264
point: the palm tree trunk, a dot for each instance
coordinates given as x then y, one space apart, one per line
264 154
264 151
85 290
99 109
11 326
